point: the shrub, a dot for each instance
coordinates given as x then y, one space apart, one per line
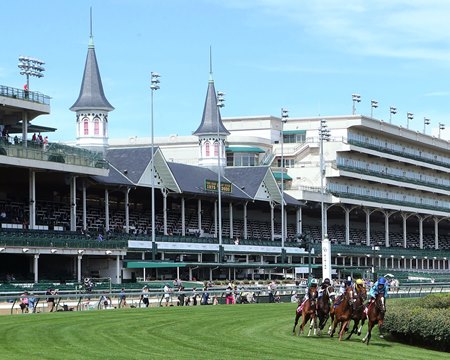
424 321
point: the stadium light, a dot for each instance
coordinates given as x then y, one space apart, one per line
441 127
324 134
426 122
409 116
108 252
53 251
392 111
30 67
284 119
80 251
373 105
154 86
25 250
220 104
356 98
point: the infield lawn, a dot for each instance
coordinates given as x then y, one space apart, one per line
257 331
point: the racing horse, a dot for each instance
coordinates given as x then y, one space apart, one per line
358 314
323 306
375 315
342 313
308 311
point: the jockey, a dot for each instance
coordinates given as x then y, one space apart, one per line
343 289
358 287
380 287
325 283
308 292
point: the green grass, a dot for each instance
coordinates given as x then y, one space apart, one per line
260 331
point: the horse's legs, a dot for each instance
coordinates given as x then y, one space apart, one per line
363 320
369 332
344 326
380 328
333 327
355 326
297 316
331 323
311 324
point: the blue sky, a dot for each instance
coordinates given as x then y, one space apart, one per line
307 56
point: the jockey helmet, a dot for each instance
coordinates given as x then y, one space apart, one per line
381 281
313 282
359 282
326 281
348 283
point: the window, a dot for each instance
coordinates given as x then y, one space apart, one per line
216 148
207 149
96 126
85 126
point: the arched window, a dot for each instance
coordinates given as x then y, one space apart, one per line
207 151
86 126
96 126
216 148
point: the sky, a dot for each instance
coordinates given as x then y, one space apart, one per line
306 56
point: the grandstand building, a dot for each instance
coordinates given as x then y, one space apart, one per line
69 212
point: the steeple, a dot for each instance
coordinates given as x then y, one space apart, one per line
211 132
92 107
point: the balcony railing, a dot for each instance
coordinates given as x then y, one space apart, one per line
33 96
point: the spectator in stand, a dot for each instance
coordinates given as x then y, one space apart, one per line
50 300
122 298
23 302
34 138
45 143
144 296
167 291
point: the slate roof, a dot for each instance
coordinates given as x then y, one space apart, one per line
248 178
115 177
211 115
191 179
92 96
132 162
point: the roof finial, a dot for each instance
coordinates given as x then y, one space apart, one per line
91 38
210 64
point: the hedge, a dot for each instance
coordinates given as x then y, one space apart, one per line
425 321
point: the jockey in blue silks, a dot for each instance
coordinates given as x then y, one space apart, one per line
380 287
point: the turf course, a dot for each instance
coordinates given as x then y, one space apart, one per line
259 331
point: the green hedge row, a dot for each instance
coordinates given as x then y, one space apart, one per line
424 321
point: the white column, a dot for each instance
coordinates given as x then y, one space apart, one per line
199 214
36 268
436 233
272 225
216 224
326 257
405 217
79 257
73 203
421 232
84 206
367 211
386 229
143 269
127 210
347 226
183 217
32 199
118 269
298 222
230 205
106 210
245 221
164 194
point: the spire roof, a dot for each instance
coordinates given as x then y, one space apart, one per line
91 95
211 120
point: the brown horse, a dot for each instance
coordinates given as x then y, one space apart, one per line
342 313
375 315
308 311
358 314
323 306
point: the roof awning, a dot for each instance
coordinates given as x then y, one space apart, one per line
140 264
294 132
278 176
244 149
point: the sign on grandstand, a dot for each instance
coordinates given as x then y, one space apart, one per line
212 185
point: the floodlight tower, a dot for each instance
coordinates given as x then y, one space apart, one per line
154 86
373 105
30 67
426 122
409 116
356 98
392 111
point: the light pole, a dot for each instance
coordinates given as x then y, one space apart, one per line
220 104
409 116
426 122
441 127
324 134
306 242
30 67
374 249
356 98
373 105
284 118
154 86
392 111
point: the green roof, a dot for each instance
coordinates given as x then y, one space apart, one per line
140 264
278 175
293 132
248 149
